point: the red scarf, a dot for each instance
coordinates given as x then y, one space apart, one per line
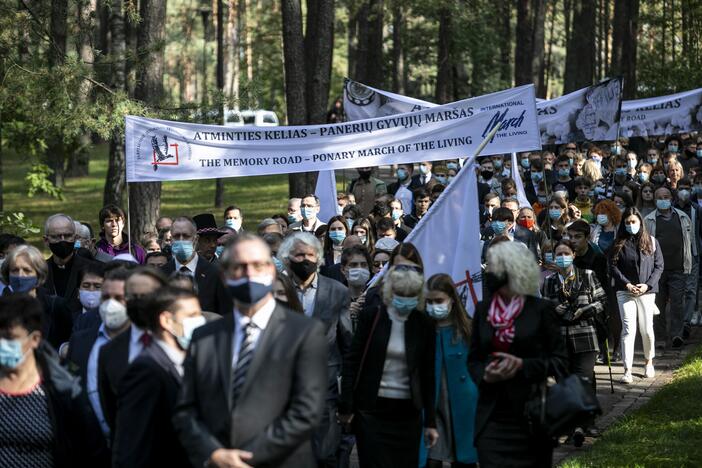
502 316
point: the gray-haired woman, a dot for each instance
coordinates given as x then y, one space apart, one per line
516 343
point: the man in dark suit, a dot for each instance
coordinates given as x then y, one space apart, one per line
85 344
211 291
64 265
115 356
425 179
144 434
255 381
326 300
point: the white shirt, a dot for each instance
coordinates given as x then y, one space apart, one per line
192 264
395 381
92 379
405 196
175 357
135 346
260 320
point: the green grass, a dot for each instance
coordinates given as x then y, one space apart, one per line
665 432
258 197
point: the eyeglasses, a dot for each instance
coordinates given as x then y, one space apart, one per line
60 237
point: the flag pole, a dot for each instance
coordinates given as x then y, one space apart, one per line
129 223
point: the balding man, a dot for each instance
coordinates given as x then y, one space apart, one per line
673 230
64 265
255 381
211 291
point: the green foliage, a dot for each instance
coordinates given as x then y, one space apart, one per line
18 224
664 432
38 181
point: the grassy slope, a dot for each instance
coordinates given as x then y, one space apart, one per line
258 197
666 431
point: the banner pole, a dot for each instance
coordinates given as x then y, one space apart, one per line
129 222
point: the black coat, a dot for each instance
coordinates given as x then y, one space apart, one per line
78 440
79 348
420 339
211 291
633 266
144 434
78 264
58 318
113 362
87 320
281 401
538 341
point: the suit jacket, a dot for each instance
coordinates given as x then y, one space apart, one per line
538 341
79 347
58 318
330 303
420 342
144 434
280 404
414 184
333 272
113 361
417 182
87 320
211 291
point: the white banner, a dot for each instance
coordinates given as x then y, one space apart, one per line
665 115
326 192
160 150
591 113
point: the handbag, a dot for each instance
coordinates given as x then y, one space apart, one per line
558 408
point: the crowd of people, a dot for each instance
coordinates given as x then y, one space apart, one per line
203 344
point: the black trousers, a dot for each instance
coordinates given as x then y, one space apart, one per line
583 364
389 435
508 442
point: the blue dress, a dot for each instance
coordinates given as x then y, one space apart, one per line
456 401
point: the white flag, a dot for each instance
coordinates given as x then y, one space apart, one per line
521 194
326 192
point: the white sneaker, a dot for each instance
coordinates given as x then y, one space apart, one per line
626 378
695 319
650 372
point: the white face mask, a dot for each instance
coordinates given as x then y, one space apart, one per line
358 276
189 325
113 314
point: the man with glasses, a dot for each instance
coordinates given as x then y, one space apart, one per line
254 381
64 265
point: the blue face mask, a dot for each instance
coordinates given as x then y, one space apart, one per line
653 161
643 177
525 163
11 355
452 166
673 148
308 212
616 150
396 214
219 250
564 261
182 250
22 284
663 204
189 325
548 257
278 264
497 163
564 172
76 245
554 213
349 223
536 176
405 305
401 174
632 228
600 190
699 153
602 219
441 179
292 219
337 237
498 227
620 171
438 311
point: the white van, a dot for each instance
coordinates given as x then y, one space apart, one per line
259 118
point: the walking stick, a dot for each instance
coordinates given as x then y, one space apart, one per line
609 364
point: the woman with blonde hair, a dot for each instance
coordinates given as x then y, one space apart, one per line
515 344
388 373
591 170
456 396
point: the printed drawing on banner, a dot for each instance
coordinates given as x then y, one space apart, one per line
162 148
466 287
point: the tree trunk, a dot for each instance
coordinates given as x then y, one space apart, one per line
56 150
360 72
115 179
444 66
319 45
549 51
132 54
219 183
537 58
398 64
79 159
580 51
504 18
625 44
374 54
352 40
524 47
145 198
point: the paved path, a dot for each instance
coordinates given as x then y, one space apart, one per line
627 398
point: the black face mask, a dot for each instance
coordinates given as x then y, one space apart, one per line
364 174
486 175
61 249
304 269
494 282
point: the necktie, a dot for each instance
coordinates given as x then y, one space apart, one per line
242 366
185 270
145 339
